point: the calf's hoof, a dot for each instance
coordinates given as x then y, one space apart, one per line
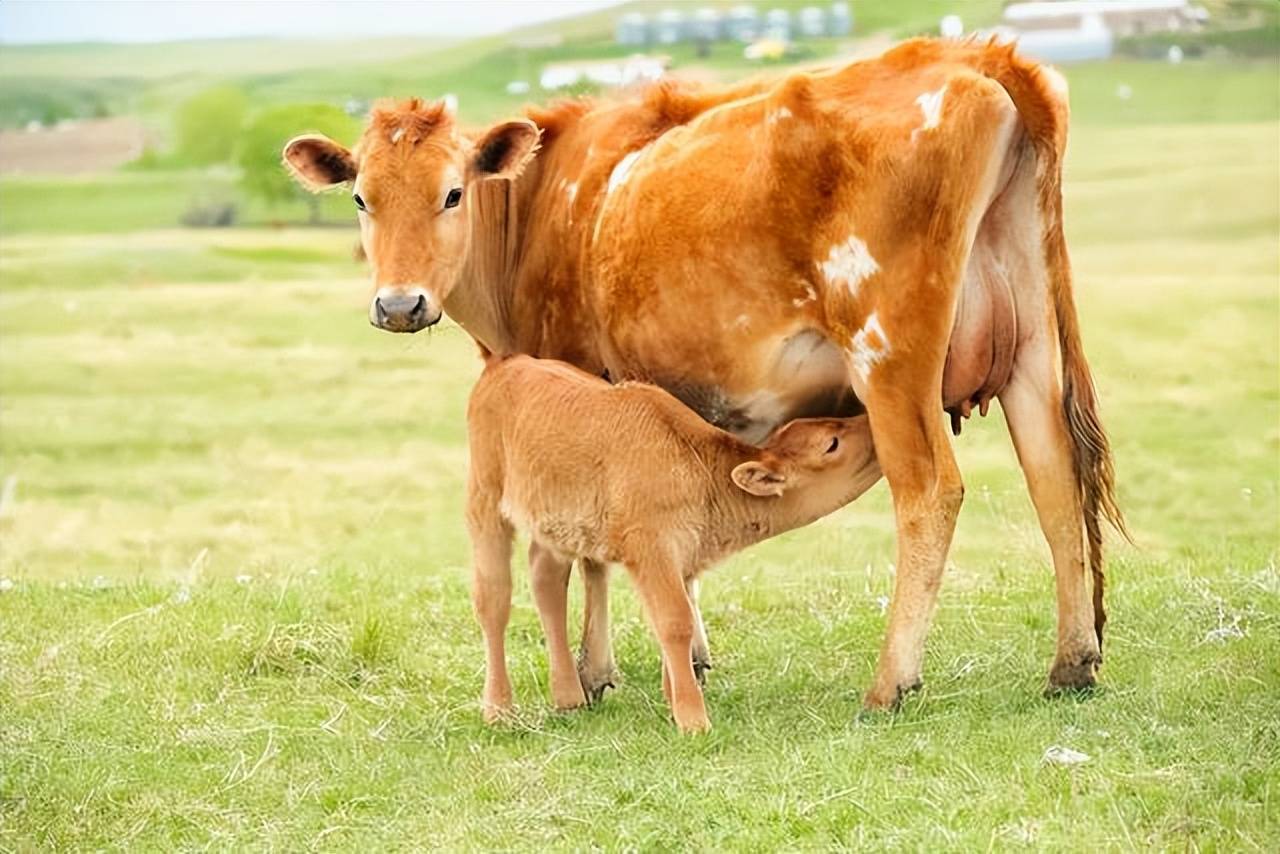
1079 675
693 723
700 668
596 680
568 696
496 713
880 699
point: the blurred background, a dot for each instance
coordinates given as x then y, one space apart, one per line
186 374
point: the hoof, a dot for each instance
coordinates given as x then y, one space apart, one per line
596 681
890 700
1080 676
700 668
569 697
694 724
496 714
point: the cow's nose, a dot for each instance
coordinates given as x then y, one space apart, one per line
403 313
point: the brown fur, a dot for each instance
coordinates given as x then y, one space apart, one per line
627 474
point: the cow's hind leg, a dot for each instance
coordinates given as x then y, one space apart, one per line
596 669
1032 403
549 574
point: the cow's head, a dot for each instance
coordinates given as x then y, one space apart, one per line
408 178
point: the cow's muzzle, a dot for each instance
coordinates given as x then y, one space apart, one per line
403 310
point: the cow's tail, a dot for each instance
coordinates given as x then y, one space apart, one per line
1040 96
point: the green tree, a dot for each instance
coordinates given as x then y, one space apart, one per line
209 124
262 172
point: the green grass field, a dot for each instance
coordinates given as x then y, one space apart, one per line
234 601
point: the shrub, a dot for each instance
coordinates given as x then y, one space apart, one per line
209 125
259 156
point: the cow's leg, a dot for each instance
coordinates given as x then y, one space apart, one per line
550 581
701 649
1032 404
491 596
670 613
914 452
596 670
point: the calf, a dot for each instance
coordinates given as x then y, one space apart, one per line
627 474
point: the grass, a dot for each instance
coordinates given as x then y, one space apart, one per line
236 609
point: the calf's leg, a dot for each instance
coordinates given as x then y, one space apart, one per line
491 596
701 652
596 670
550 581
670 614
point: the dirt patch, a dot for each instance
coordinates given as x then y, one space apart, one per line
72 147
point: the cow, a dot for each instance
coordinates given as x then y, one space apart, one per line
881 237
677 496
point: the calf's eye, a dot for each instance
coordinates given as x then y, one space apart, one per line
835 443
359 202
455 196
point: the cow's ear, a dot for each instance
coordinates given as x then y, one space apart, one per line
505 149
758 478
318 162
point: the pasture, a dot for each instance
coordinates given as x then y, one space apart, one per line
235 613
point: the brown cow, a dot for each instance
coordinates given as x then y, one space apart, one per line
672 498
883 235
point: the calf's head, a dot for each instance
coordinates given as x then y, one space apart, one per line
408 177
820 463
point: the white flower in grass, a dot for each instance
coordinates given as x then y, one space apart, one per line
243 579
181 596
1056 754
6 584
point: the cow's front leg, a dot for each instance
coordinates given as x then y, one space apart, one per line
596 669
915 454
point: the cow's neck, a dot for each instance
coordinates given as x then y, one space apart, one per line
481 300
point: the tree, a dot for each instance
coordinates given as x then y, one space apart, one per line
262 172
209 124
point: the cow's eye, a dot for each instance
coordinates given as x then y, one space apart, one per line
835 443
455 196
359 202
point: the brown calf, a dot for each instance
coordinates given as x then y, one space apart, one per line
627 474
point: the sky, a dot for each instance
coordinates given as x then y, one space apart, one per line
32 21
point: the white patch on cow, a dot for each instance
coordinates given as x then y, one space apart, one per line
571 190
778 115
850 262
620 172
930 104
809 296
396 134
868 346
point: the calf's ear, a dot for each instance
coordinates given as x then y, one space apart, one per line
759 479
505 149
318 162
